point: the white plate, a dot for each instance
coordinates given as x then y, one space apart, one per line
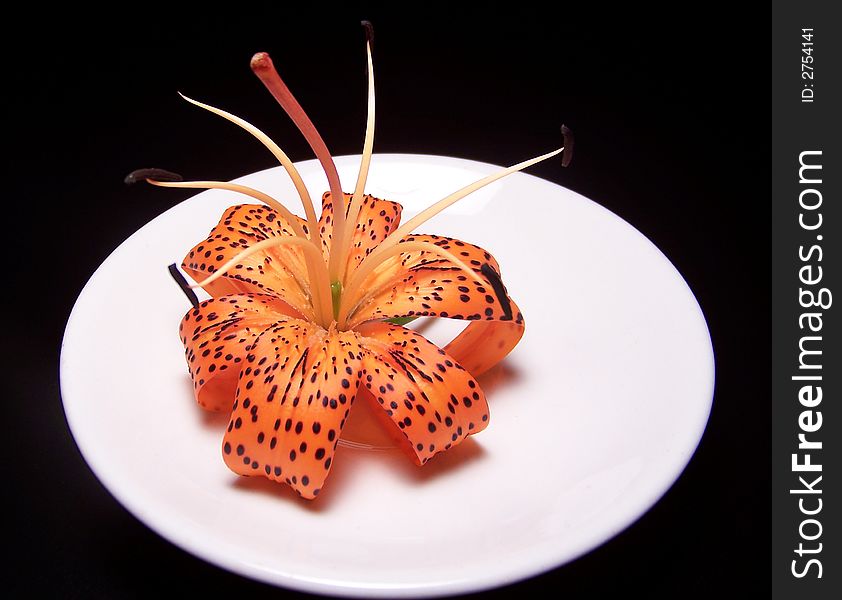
594 414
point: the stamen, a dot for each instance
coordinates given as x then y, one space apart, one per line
359 276
262 66
145 174
312 265
356 201
306 201
240 189
321 303
427 214
182 283
499 289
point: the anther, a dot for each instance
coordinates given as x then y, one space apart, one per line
157 174
567 155
182 283
369 32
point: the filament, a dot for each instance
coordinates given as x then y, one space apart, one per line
427 214
356 201
306 201
240 189
322 307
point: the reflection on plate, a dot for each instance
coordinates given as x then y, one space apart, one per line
594 414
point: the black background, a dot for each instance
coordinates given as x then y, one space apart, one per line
671 114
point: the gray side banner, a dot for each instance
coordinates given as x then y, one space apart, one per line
806 336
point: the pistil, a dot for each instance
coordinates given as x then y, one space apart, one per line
262 66
336 292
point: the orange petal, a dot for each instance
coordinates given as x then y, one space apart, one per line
482 344
296 388
428 396
421 283
280 271
215 337
376 220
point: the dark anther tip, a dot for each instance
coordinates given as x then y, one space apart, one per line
156 174
369 31
182 283
499 289
567 155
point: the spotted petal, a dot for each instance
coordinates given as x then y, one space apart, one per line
429 397
422 283
215 336
280 271
297 385
376 220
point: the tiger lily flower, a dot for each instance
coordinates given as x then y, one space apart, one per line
303 316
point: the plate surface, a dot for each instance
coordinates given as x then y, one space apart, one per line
593 416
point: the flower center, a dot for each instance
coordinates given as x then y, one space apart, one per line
335 288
